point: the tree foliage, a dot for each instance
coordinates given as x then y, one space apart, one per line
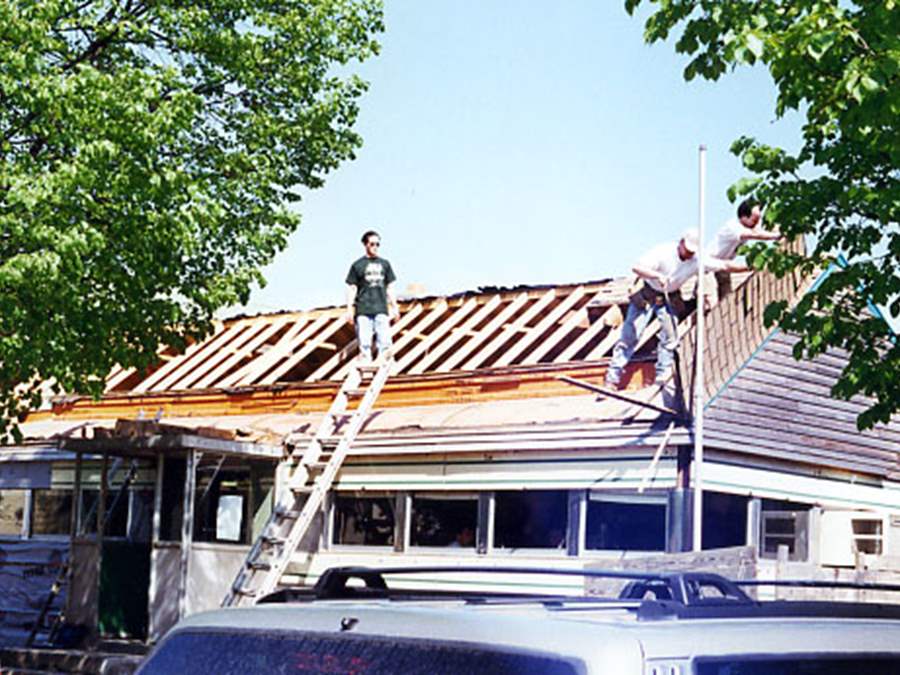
838 64
151 152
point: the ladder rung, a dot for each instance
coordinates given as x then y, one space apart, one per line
367 369
287 514
272 540
316 466
259 565
355 393
249 592
303 489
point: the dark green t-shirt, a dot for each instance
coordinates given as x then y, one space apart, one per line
371 277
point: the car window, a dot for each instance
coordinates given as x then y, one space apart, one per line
238 652
800 665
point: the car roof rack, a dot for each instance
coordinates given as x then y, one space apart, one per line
651 596
683 588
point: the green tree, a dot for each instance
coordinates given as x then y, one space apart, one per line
836 62
151 158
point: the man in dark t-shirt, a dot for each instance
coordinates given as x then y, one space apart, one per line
370 299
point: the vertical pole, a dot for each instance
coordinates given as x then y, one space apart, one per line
154 604
187 529
698 371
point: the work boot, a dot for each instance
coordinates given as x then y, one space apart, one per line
612 380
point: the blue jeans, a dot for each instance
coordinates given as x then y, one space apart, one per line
636 320
367 324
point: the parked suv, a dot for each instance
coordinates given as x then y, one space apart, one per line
661 624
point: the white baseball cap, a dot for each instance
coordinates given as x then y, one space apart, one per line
691 239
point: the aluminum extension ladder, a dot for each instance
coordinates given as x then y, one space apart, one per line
313 471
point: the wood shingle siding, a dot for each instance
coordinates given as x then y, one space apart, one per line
779 407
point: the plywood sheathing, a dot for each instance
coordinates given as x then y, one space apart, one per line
401 391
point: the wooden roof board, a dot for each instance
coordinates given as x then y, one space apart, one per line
464 350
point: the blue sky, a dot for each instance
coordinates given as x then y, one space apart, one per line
521 143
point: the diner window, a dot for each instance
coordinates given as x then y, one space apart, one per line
172 498
364 521
228 492
724 520
52 511
530 519
116 512
784 524
445 521
12 511
625 523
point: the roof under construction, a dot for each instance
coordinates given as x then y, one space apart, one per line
475 362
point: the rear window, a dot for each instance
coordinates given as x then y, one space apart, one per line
801 665
242 652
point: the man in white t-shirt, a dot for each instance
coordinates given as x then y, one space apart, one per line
745 227
661 273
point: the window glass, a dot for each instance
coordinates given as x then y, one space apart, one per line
12 511
724 520
226 492
625 524
172 498
446 521
804 665
784 524
52 511
530 519
116 514
365 521
235 652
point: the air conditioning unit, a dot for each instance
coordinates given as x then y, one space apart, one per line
844 534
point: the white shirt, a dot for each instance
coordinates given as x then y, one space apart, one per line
664 260
728 239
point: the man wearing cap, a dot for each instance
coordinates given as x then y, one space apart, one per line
661 273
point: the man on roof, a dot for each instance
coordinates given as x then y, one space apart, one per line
661 273
370 299
745 227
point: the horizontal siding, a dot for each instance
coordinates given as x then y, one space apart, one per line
782 408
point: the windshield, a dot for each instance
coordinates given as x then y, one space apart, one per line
801 665
241 652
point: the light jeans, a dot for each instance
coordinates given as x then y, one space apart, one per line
366 324
636 320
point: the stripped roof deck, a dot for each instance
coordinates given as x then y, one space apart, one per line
464 333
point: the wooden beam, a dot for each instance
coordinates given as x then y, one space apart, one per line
456 335
436 312
603 391
247 351
207 348
285 366
559 334
120 375
169 366
540 328
435 334
589 334
537 306
233 347
479 337
350 349
258 367
645 481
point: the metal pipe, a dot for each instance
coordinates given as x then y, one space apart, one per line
697 469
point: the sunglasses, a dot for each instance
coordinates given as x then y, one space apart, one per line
376 244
